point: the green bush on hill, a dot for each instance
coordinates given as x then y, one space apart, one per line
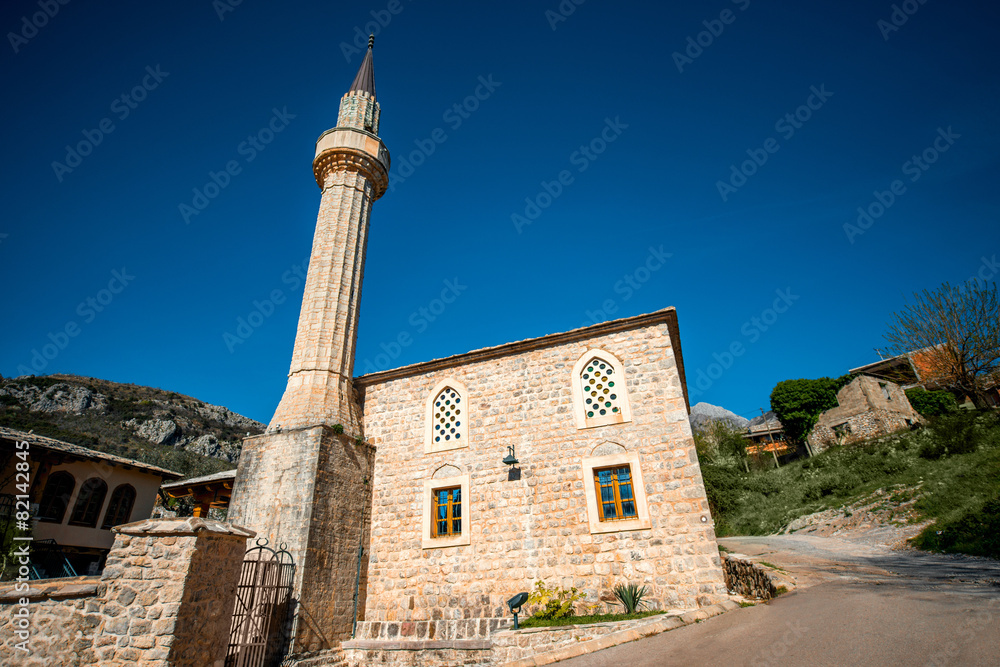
977 532
799 403
931 403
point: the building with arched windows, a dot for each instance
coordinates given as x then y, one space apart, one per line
75 496
416 501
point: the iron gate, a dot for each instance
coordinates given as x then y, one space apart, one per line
262 619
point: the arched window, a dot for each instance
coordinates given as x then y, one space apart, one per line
447 417
120 506
599 390
89 503
55 497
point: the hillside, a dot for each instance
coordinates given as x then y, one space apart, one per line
150 425
939 485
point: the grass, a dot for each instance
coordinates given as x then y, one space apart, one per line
771 565
954 489
583 620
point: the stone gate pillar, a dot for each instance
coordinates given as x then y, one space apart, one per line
168 592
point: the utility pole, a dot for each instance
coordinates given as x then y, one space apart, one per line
771 437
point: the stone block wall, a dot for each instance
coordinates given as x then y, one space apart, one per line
746 578
311 489
864 407
63 618
166 597
536 527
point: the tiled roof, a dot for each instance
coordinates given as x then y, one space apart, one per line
41 442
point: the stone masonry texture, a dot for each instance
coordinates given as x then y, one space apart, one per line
165 598
864 407
310 489
535 528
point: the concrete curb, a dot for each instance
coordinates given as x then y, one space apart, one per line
654 627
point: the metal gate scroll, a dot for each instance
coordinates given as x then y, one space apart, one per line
262 620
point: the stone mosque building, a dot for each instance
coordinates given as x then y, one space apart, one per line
392 491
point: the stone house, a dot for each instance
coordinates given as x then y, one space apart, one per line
76 495
409 525
867 407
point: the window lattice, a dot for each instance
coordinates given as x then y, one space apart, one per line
600 395
448 417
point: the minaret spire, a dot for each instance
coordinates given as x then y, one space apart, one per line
364 81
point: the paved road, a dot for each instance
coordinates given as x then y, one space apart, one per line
854 604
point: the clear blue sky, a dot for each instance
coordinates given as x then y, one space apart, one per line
679 126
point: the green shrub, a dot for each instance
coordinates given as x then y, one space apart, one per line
977 532
931 403
554 602
630 596
799 403
764 484
723 487
952 434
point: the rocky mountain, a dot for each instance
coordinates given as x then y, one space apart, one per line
703 414
772 420
150 425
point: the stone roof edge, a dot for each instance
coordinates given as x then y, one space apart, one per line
666 315
220 476
180 527
79 451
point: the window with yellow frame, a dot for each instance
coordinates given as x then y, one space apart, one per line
615 494
447 517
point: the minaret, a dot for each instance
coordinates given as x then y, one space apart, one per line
351 167
305 483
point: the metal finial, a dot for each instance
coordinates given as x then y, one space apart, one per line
371 40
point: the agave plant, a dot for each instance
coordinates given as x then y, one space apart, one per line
630 596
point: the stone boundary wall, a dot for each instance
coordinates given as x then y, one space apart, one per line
470 628
745 577
63 617
509 645
166 597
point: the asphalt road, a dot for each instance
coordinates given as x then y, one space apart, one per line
854 604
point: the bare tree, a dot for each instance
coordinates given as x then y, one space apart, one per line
956 331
